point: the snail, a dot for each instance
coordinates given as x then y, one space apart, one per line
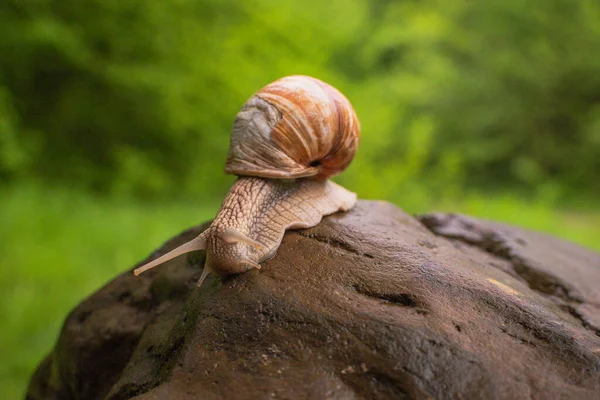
287 141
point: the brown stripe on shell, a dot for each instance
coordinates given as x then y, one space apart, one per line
348 134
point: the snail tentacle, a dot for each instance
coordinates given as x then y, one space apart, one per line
205 273
198 243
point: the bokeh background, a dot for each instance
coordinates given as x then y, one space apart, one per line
115 118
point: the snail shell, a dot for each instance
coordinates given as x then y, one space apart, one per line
295 127
286 141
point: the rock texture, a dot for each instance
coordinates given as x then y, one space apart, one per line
370 304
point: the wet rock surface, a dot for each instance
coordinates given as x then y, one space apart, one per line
370 304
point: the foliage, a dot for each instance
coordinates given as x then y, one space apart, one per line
137 97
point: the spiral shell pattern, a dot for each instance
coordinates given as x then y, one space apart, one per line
295 127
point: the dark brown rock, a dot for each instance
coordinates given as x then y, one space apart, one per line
370 304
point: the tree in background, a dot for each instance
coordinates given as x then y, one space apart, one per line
138 97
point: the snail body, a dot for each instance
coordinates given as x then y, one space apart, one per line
287 140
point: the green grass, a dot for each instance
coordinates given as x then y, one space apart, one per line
59 246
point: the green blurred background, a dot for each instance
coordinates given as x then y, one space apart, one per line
115 119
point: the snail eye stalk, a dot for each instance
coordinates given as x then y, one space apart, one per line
198 243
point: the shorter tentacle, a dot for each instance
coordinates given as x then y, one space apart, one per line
205 273
251 263
232 235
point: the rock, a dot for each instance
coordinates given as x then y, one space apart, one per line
370 304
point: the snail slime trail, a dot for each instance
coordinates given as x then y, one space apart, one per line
287 141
